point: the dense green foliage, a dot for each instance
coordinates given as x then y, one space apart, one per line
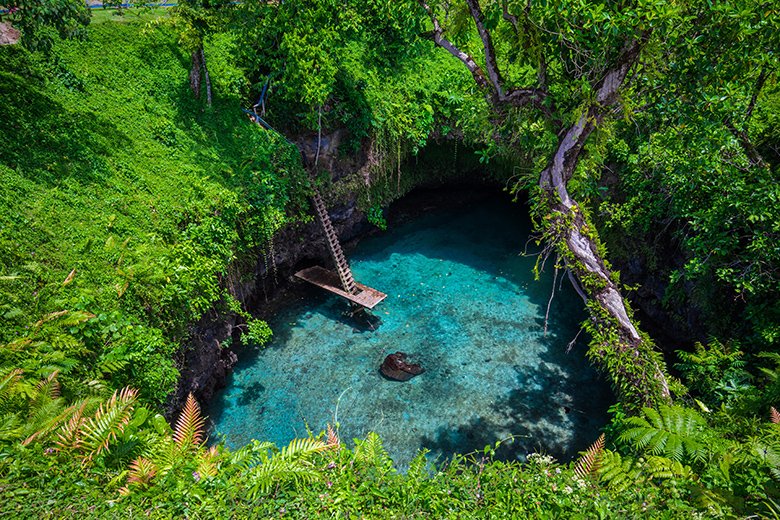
41 21
124 200
129 208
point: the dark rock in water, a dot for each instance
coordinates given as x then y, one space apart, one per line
396 368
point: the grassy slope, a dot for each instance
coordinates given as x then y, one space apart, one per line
111 168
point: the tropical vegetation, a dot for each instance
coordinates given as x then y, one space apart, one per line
137 200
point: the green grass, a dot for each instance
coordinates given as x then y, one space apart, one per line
147 15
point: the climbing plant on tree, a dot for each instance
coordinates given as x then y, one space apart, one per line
607 78
576 59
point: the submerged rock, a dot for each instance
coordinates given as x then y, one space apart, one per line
396 368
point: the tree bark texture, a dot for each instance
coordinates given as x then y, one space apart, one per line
199 74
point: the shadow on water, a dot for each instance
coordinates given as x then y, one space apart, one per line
547 412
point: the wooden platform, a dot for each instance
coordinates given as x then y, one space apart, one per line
328 280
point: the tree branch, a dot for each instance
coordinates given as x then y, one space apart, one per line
747 145
492 82
509 17
487 43
440 40
759 85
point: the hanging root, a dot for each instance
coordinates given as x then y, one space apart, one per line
552 295
570 345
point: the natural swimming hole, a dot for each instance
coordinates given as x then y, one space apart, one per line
462 301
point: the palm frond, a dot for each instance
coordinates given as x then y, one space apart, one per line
588 464
189 431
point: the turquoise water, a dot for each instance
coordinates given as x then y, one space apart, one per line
463 303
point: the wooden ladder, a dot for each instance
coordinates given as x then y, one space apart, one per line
342 267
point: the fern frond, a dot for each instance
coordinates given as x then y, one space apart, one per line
142 471
207 465
109 421
189 431
75 317
663 468
671 431
49 317
774 415
47 415
252 454
50 387
332 438
69 435
111 366
618 473
279 471
588 463
8 385
301 449
371 451
418 467
10 427
140 475
166 453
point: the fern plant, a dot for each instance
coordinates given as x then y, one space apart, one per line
619 473
93 436
179 452
672 431
371 452
588 463
293 464
190 427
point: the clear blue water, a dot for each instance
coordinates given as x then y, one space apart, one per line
463 303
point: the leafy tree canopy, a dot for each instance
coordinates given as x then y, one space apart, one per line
41 20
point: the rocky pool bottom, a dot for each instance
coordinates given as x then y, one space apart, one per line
463 303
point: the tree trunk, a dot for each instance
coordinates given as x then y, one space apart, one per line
199 74
568 225
206 77
195 78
